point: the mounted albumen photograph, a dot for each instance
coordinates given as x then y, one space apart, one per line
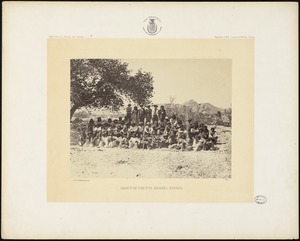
150 118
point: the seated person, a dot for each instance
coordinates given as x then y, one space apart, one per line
82 136
104 139
155 128
134 141
172 137
132 130
148 130
198 143
213 136
124 143
140 129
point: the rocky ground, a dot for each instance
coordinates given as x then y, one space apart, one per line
94 162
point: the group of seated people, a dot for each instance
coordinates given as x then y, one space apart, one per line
170 133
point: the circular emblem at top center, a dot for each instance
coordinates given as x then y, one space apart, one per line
152 25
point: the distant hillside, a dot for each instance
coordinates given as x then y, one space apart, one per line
211 107
105 113
203 107
191 103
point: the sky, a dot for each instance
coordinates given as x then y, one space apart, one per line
203 80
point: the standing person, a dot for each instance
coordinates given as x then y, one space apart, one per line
189 132
135 116
128 112
90 129
141 113
155 114
162 114
148 113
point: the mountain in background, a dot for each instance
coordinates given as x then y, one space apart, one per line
203 107
94 113
191 103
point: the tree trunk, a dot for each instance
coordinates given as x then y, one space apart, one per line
72 111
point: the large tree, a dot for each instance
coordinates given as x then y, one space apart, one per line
107 83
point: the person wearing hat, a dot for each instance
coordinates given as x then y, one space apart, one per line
162 114
155 114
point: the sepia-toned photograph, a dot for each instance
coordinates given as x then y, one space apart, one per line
150 118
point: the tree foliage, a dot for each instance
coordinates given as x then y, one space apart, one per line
107 83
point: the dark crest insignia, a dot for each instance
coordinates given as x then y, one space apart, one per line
152 25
